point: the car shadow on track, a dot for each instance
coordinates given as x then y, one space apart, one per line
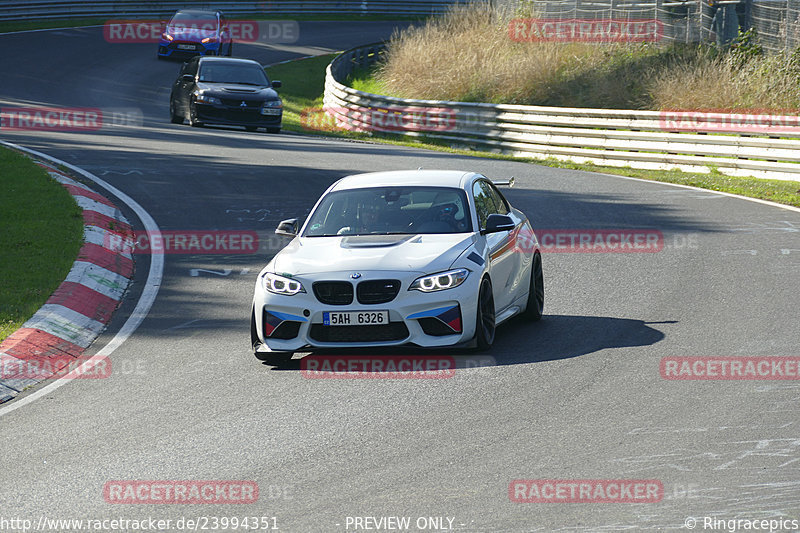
554 338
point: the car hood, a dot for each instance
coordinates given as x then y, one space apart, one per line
235 90
413 253
194 33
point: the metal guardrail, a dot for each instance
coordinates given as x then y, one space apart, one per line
639 139
42 9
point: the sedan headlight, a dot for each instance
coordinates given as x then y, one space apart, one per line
281 284
209 40
167 37
201 98
440 281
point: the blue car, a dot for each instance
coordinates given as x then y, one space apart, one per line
193 32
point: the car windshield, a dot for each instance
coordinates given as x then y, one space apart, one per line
193 26
220 72
193 20
391 211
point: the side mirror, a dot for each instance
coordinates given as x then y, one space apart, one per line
497 223
276 84
287 228
187 77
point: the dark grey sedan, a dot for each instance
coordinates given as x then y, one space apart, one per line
226 91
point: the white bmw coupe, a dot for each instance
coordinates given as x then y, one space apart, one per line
418 257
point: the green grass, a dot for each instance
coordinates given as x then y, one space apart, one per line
365 79
303 88
42 231
301 93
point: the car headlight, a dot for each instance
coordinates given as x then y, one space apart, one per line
167 37
440 281
209 40
281 284
205 99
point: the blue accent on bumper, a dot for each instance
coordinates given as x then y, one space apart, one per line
431 313
287 316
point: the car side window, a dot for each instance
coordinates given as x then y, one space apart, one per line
484 204
500 203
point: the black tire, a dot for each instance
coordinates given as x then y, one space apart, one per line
251 128
274 130
174 117
192 120
535 307
485 322
271 358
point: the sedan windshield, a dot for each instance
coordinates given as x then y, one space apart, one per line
391 211
219 72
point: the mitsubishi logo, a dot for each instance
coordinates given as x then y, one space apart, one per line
243 104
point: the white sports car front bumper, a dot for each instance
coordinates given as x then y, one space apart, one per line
426 319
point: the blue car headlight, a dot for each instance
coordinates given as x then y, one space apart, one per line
440 281
277 284
201 98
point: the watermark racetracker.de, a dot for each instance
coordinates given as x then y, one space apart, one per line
394 119
741 120
590 240
585 491
58 367
585 30
67 119
184 242
758 368
243 31
377 367
192 492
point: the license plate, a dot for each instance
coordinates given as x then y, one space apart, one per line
185 47
271 112
355 318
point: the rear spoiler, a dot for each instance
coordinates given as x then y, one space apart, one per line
504 183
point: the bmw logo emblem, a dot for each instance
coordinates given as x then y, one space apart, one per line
355 275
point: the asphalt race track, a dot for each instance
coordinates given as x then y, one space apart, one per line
577 396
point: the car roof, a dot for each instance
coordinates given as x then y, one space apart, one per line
197 12
215 59
432 178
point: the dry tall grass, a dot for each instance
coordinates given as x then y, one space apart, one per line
707 82
468 55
